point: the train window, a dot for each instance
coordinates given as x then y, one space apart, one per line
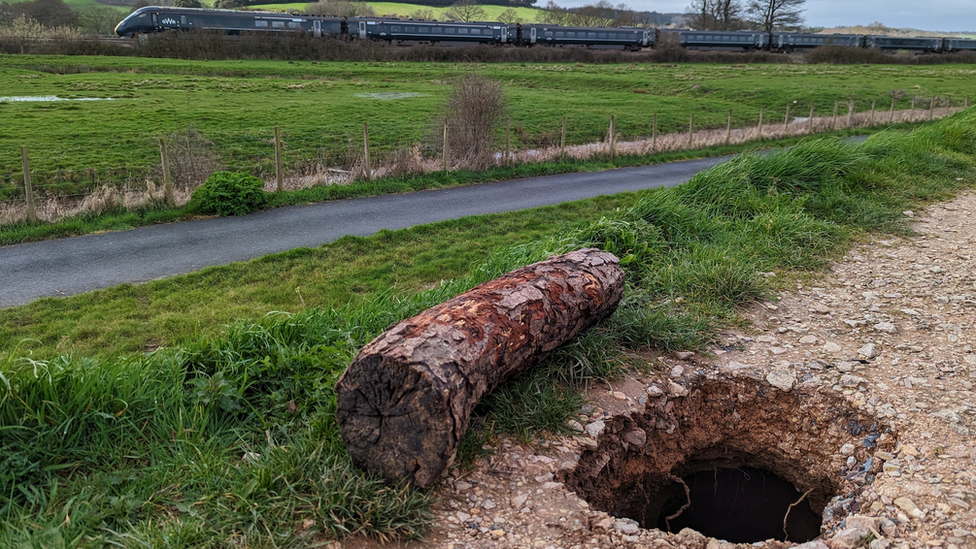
260 23
396 29
726 38
549 34
571 34
603 35
450 30
278 24
591 35
424 29
560 34
475 31
463 31
182 19
295 25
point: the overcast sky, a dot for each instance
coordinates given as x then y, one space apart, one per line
936 15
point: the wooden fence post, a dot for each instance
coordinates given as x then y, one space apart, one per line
872 112
762 111
367 164
508 139
850 114
728 130
562 139
786 121
891 113
167 182
931 107
833 121
691 131
612 138
810 120
447 151
278 176
654 134
28 187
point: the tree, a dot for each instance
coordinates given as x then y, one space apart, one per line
465 10
715 14
423 14
99 20
187 4
47 13
510 17
775 14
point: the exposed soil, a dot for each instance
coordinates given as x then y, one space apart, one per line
857 391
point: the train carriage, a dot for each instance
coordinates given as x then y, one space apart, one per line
554 35
958 44
430 31
721 40
912 44
793 41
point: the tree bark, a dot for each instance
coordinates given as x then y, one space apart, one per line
405 401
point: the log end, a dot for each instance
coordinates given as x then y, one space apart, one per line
396 421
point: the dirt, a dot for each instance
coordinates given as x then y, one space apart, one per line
857 389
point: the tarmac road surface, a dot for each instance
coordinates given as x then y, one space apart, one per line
75 265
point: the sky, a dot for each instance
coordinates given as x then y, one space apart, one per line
934 15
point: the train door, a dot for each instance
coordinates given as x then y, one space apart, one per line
155 20
362 29
646 38
317 29
504 36
532 35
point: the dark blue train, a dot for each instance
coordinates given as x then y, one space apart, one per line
152 19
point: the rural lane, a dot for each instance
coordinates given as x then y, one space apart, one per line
79 264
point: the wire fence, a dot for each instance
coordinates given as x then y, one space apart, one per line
289 159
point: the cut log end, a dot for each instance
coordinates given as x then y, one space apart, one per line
395 421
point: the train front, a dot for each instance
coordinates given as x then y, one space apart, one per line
137 22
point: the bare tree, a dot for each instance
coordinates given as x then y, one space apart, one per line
775 14
423 14
340 8
510 17
715 14
475 108
465 10
700 15
727 14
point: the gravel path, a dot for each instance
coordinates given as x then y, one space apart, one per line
888 333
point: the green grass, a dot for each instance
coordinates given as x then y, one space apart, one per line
384 9
321 106
230 438
85 5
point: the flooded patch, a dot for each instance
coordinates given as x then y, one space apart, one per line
47 99
389 96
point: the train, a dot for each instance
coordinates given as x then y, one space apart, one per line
154 19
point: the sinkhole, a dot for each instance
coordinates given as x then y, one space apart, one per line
734 459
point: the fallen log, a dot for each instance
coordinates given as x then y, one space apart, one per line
405 401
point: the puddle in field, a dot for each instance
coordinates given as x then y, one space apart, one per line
388 96
47 99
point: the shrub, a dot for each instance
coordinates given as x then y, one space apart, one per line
474 111
229 193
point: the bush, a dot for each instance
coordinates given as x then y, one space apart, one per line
474 111
229 193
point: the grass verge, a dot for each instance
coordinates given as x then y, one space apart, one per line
117 220
230 439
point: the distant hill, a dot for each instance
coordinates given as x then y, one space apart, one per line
888 31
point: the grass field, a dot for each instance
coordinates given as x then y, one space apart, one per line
403 10
230 438
321 106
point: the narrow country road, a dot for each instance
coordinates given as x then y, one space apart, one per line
75 265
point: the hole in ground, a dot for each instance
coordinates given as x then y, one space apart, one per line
758 463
